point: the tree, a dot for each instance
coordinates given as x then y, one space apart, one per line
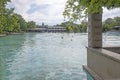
69 28
2 14
83 26
11 21
3 6
93 8
31 24
76 29
12 24
75 9
117 21
109 20
22 22
108 24
3 21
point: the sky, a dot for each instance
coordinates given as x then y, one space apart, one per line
48 11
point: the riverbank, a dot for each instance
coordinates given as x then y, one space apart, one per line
13 33
2 35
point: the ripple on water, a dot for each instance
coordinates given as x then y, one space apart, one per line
45 56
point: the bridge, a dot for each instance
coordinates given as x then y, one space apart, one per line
54 29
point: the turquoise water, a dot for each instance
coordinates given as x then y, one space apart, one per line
111 39
43 56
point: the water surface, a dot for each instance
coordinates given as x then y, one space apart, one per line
45 56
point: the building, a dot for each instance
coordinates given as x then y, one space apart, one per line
53 29
56 29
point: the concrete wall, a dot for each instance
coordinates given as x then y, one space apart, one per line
104 63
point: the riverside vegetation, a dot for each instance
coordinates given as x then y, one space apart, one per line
12 22
76 10
107 25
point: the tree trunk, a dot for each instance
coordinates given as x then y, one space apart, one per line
95 30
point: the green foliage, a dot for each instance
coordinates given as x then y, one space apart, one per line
117 21
12 24
22 22
3 5
77 9
83 26
10 21
69 28
72 27
31 24
76 29
2 14
109 23
3 21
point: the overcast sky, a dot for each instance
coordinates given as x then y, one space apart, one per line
47 11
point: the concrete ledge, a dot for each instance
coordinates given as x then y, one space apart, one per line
113 49
112 79
104 62
92 73
107 53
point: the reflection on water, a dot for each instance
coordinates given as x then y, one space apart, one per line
43 56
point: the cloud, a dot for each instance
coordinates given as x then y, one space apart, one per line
38 8
111 13
48 11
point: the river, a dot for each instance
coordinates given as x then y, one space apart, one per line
46 56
